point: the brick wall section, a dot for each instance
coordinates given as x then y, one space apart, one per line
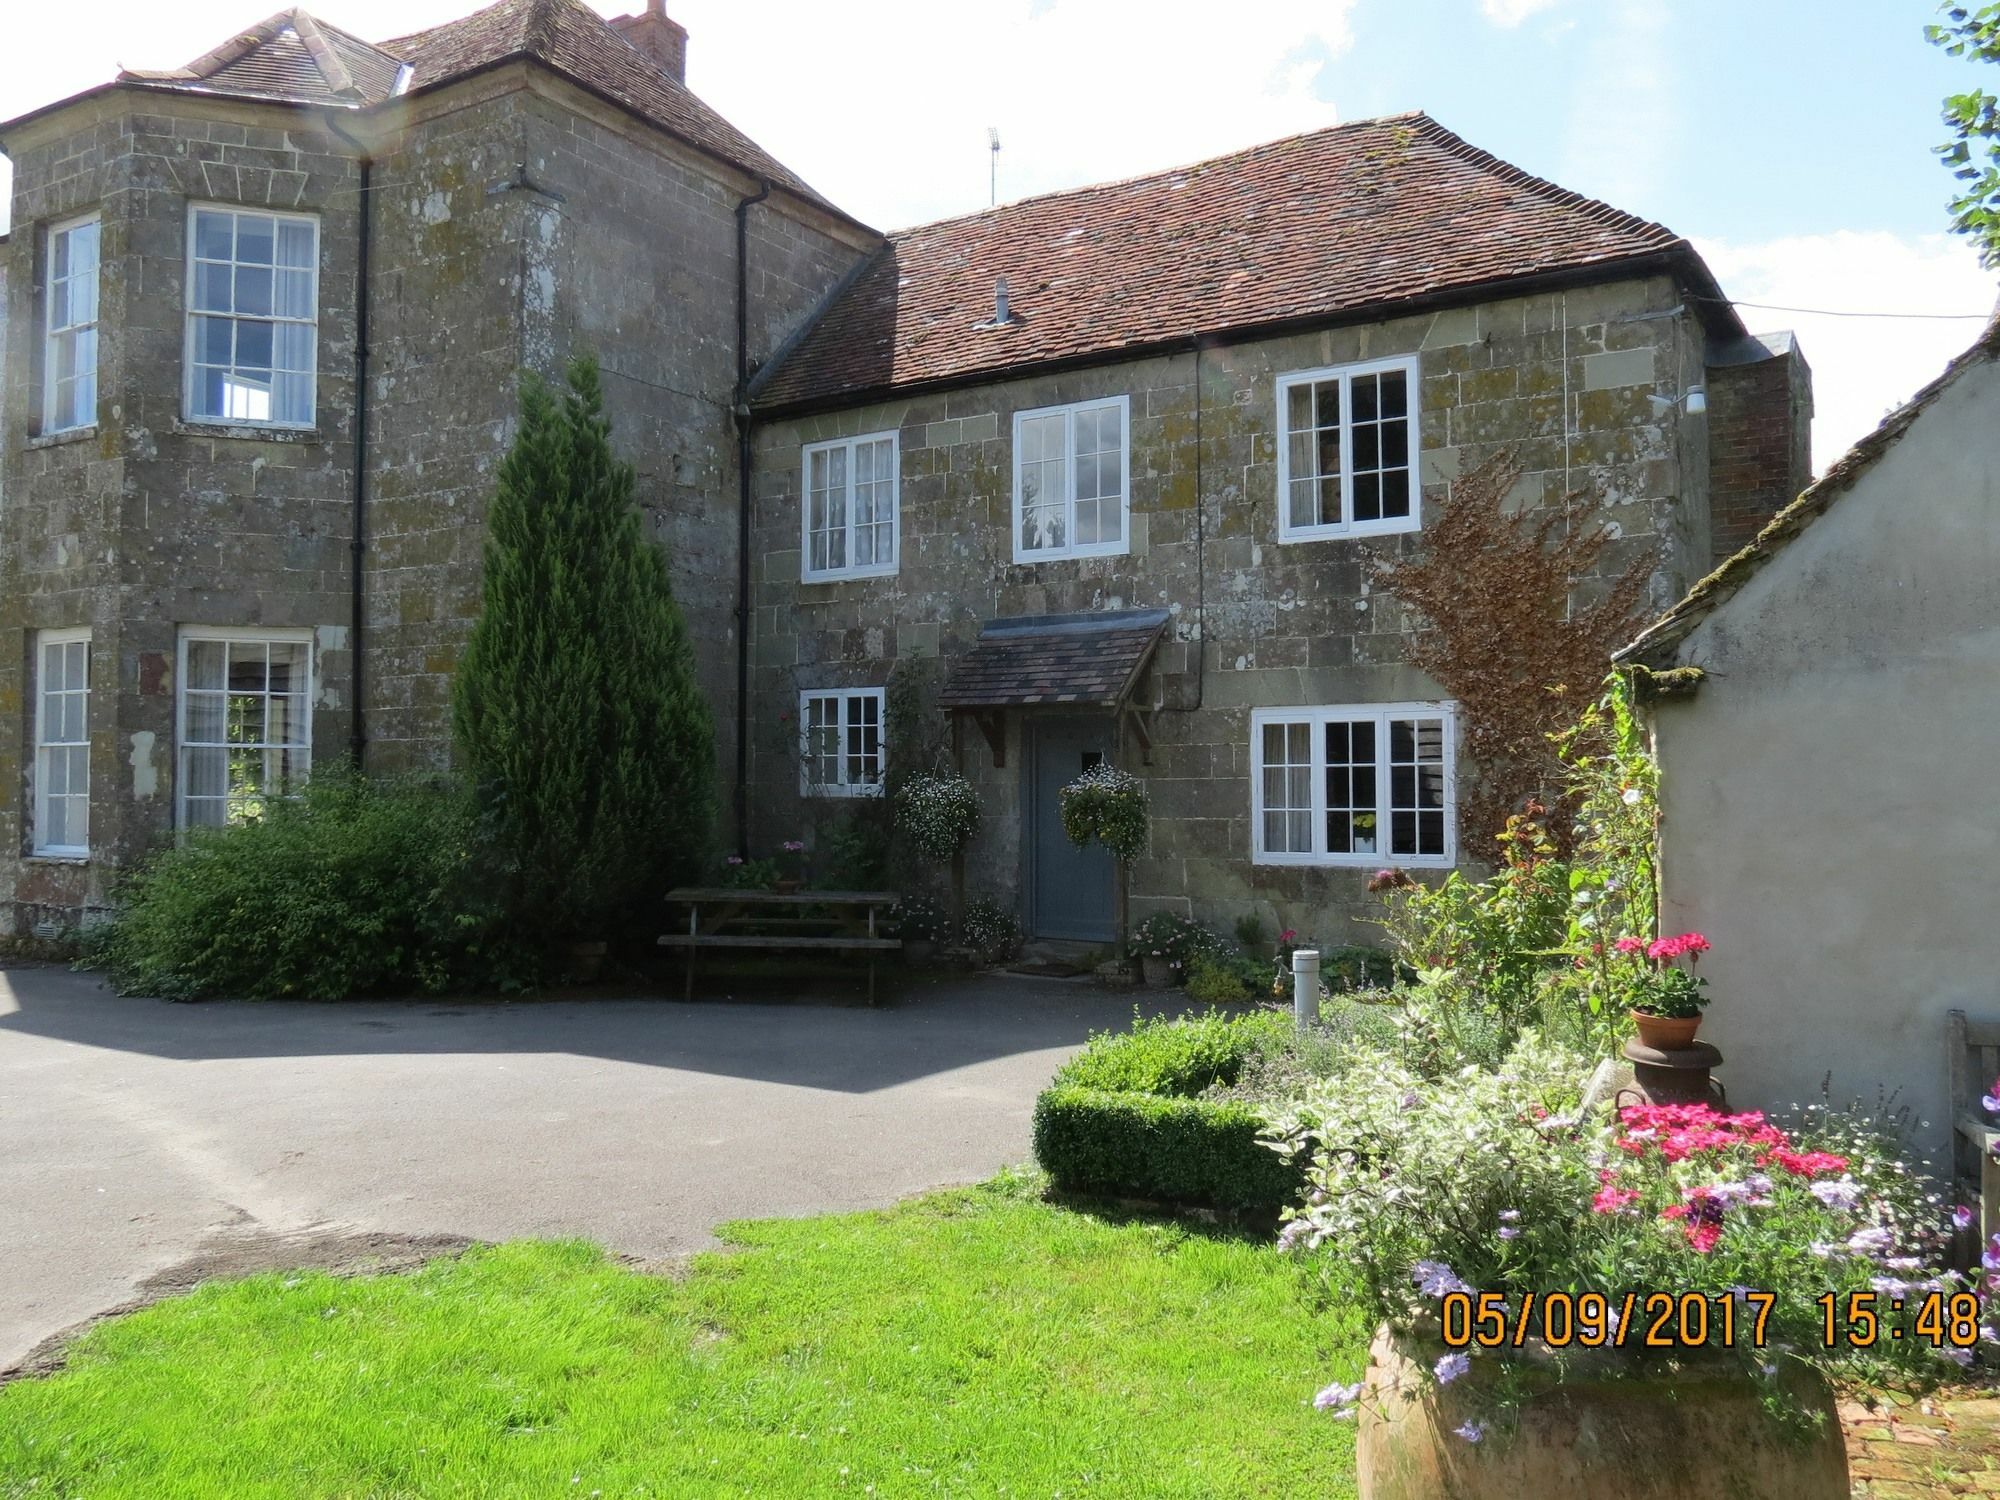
1286 624
621 241
1760 425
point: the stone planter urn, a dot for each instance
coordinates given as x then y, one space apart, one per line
1157 972
1692 1430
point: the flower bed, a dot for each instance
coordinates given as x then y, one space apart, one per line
1783 1249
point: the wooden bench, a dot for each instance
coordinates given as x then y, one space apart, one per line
1975 1064
847 924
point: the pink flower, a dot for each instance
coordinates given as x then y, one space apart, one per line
1630 945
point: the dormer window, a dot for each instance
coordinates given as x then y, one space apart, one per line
253 317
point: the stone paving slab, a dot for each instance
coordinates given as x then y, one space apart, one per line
1945 1446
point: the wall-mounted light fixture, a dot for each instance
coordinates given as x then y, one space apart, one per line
1694 399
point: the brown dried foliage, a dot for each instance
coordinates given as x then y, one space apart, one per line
1500 631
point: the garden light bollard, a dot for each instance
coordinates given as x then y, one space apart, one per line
1305 986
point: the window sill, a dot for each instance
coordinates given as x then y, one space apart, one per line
57 859
1035 559
840 793
1353 862
1346 533
249 431
860 575
59 439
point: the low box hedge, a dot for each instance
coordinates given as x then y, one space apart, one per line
1122 1118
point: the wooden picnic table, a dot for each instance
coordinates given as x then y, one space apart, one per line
778 921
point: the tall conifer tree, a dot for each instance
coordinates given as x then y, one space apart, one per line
575 710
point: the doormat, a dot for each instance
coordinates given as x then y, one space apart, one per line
1048 968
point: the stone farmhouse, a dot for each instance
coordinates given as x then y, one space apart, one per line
1090 476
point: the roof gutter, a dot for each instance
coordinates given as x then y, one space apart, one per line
1678 260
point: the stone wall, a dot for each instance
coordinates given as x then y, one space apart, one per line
1255 622
514 220
515 232
145 522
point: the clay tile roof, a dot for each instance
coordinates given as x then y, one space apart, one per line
1655 646
1353 217
1039 659
571 39
289 56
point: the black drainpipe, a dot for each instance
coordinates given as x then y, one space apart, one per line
741 411
357 740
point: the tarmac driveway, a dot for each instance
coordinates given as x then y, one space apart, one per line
143 1145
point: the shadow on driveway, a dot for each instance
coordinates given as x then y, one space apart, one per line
935 1027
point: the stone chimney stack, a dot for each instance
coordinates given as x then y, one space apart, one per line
663 40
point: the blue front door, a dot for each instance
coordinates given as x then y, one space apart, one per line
1069 889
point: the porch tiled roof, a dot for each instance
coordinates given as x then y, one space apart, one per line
1032 660
1355 217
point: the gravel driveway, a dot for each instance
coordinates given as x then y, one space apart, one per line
144 1145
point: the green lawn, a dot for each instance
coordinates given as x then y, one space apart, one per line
973 1342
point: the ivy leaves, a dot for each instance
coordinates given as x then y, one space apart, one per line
1973 153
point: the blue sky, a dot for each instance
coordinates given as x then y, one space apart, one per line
1790 139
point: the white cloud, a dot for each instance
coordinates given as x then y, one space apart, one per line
889 120
1513 12
1863 368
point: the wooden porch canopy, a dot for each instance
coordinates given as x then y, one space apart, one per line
1053 661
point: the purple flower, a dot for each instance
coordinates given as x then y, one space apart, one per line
734 859
793 846
1990 1104
1472 1432
1961 1217
1293 1234
1510 1215
1509 1232
1890 1286
1740 1293
1450 1367
1338 1398
1409 1101
1960 1357
1823 1250
1436 1279
1844 1194
1871 1241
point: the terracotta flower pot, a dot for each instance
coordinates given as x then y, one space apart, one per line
1666 1033
1694 1429
1156 971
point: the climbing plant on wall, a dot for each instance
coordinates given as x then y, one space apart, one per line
1516 622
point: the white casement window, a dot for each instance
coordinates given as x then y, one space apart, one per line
1071 471
69 360
1347 451
1370 784
840 743
62 743
245 721
850 508
252 317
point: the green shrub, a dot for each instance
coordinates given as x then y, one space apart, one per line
1216 982
356 887
1181 1056
990 930
1160 1146
1122 1116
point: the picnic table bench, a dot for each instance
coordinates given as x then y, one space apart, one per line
781 921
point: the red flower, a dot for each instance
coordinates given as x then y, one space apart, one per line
1808 1163
1630 945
